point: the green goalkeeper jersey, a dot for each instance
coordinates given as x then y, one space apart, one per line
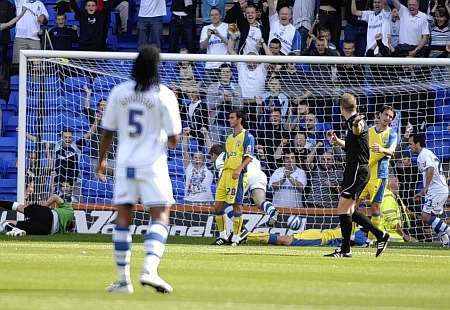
65 215
391 217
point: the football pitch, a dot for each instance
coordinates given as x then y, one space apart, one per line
72 271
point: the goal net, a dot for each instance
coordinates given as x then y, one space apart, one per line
291 103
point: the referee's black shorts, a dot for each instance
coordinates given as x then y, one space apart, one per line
356 176
38 220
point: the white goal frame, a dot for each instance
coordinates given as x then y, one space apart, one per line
27 54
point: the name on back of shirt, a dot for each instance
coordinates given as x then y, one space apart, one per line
137 98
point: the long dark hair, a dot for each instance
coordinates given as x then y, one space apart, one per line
145 68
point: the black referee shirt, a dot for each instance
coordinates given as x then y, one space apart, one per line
356 147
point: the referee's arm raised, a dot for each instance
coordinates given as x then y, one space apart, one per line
334 140
358 125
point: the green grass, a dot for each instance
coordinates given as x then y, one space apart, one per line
39 273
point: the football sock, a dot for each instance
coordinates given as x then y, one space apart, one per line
365 222
6 226
220 223
259 237
346 230
237 223
229 211
122 252
154 246
438 225
9 205
268 208
272 239
376 221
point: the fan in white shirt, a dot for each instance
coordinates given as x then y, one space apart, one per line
29 26
198 176
377 22
287 183
435 188
414 29
214 38
282 28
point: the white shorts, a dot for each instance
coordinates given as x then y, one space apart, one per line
151 188
435 203
257 180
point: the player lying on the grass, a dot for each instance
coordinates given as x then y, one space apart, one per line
309 237
40 219
435 188
239 148
256 182
394 214
382 143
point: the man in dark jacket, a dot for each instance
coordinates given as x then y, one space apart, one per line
182 25
93 25
62 36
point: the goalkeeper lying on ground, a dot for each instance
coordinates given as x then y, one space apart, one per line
309 237
39 219
393 213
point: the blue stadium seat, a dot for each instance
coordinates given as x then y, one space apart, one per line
73 102
106 83
14 82
8 144
99 200
437 133
85 164
56 123
8 169
76 84
178 189
96 188
176 168
11 127
13 102
8 186
443 113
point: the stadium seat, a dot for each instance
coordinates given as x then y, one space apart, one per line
10 128
73 102
8 169
63 120
106 83
13 102
443 113
178 189
8 186
85 164
76 84
8 144
98 200
437 133
96 188
14 82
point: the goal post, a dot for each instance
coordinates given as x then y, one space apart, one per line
56 86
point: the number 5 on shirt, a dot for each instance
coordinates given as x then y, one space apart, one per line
134 123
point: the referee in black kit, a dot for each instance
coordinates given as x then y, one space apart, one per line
356 176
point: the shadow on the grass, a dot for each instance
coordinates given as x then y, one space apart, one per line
102 238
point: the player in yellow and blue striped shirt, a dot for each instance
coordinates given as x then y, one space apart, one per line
382 143
239 149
